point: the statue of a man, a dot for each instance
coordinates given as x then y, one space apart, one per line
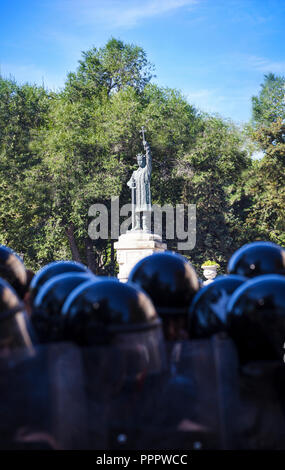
140 185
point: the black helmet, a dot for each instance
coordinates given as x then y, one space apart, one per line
46 314
207 313
54 269
169 279
256 318
12 269
256 259
15 329
109 313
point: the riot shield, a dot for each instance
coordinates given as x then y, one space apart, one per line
115 397
261 418
115 377
41 399
210 367
178 407
244 407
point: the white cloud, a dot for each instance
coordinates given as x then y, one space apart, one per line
263 64
122 13
131 16
253 63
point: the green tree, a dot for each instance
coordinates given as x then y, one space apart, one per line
260 200
214 168
269 104
111 68
23 110
265 185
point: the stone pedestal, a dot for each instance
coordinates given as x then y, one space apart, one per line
132 247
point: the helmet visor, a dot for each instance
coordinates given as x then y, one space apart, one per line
130 358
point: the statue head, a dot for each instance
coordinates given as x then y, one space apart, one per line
141 160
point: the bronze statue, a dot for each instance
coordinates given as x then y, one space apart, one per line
140 186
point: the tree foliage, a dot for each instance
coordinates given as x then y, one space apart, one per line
261 199
269 104
109 69
265 185
23 110
62 152
214 166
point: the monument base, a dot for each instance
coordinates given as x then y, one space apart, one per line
133 246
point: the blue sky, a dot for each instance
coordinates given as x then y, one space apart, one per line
215 51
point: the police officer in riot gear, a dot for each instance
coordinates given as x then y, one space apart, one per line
46 315
256 318
256 322
17 346
171 282
120 336
41 394
258 258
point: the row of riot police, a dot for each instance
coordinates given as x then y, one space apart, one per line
160 362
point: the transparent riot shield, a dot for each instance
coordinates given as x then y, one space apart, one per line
129 395
211 368
64 397
261 417
243 407
41 399
115 378
134 406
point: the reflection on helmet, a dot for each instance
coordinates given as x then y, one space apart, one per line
207 313
12 269
258 258
54 269
256 318
169 279
46 316
107 312
15 330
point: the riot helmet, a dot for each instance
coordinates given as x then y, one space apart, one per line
12 269
46 314
171 282
54 269
120 318
207 313
169 279
16 333
256 259
256 318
